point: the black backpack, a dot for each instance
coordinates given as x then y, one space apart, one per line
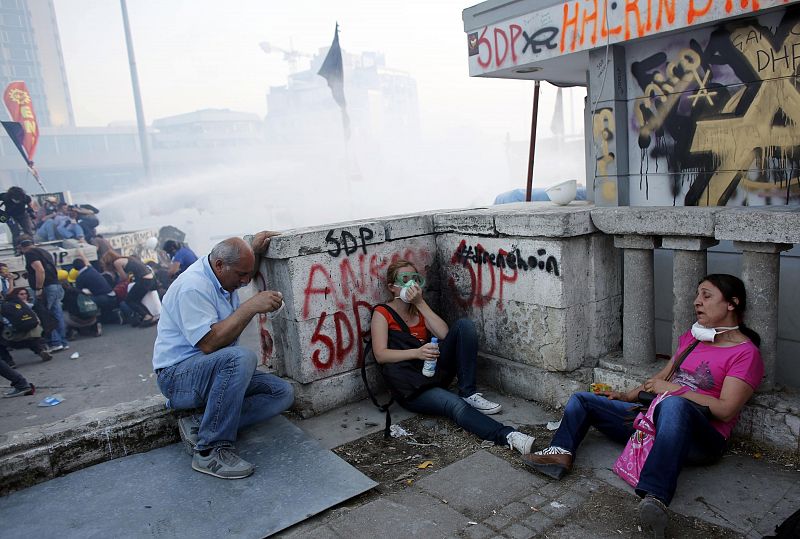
367 353
21 317
87 308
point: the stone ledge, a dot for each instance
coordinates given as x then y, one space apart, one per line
409 225
543 219
313 240
534 219
471 222
38 454
768 224
657 220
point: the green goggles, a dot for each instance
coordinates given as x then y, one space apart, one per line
405 277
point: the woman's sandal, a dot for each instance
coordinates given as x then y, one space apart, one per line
653 513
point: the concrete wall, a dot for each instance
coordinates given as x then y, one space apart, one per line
545 277
552 294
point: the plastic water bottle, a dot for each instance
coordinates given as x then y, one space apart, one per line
429 368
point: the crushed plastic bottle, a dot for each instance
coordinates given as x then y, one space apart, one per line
398 432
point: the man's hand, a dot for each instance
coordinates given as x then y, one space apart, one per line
267 301
261 241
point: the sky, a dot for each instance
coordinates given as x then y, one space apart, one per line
198 54
194 54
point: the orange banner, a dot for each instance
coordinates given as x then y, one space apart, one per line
20 107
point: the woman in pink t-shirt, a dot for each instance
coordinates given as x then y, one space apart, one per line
720 368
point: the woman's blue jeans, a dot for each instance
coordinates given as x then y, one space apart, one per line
235 395
683 436
458 353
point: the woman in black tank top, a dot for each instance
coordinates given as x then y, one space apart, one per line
143 282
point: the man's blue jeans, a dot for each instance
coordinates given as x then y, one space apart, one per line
235 395
47 231
106 304
458 353
683 436
53 294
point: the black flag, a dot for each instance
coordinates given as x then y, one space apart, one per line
333 71
14 130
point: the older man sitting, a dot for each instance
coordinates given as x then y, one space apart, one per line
199 363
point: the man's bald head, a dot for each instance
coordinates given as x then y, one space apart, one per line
230 251
233 263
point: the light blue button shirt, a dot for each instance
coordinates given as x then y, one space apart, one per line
193 303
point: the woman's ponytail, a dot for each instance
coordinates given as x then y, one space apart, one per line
750 334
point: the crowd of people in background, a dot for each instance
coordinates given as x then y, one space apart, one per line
59 304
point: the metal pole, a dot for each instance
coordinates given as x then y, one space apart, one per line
532 152
137 96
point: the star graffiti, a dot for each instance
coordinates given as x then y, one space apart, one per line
702 89
736 141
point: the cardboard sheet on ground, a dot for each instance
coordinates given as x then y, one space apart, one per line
157 494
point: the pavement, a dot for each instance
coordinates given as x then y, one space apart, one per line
485 494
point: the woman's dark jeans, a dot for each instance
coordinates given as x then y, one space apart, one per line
683 436
137 292
458 353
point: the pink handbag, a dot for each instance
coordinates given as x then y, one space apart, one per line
630 463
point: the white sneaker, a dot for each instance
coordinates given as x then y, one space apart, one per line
553 450
519 441
484 406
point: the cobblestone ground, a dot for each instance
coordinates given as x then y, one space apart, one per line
443 482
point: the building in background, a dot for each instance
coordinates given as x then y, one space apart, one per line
381 102
208 128
30 50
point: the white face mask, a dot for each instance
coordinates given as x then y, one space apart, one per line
405 290
702 333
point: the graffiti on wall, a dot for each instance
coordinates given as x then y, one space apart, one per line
360 276
490 272
577 25
603 131
724 116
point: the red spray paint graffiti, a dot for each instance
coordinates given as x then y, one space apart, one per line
478 296
353 302
267 344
